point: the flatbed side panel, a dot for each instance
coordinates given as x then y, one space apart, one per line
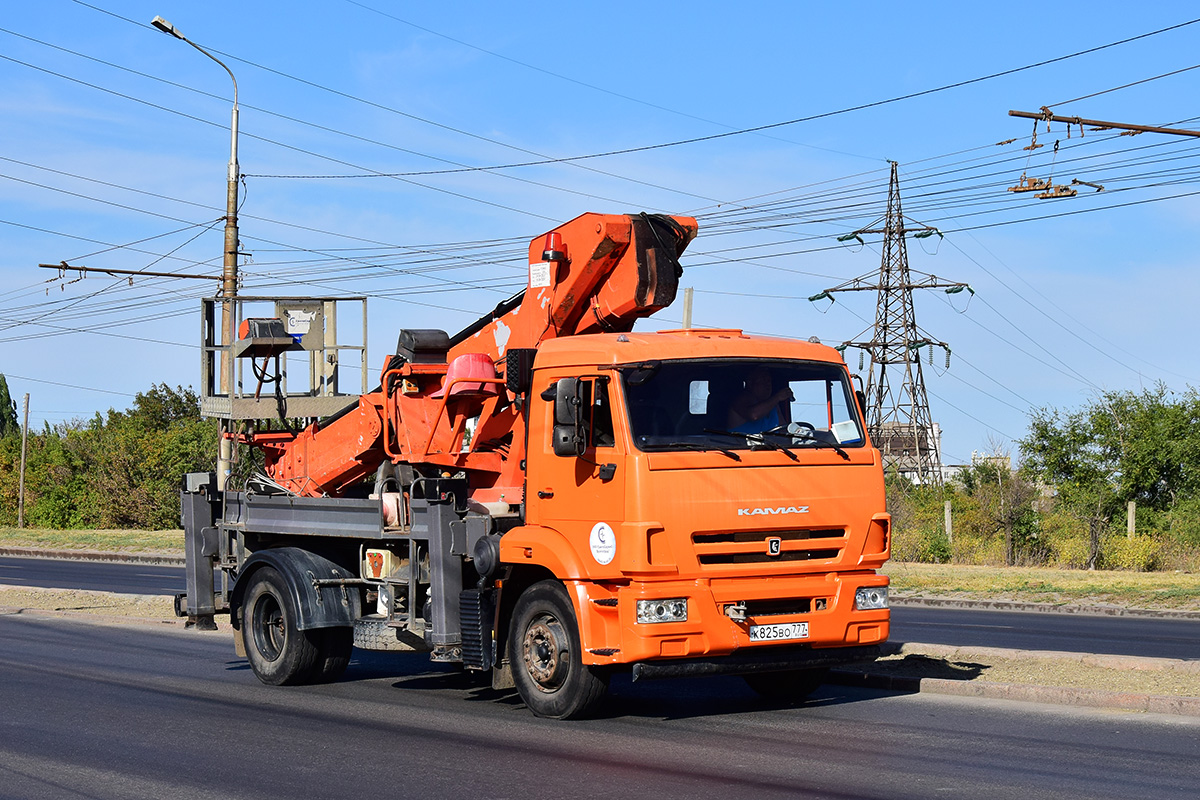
350 518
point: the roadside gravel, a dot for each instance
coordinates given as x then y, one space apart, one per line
132 607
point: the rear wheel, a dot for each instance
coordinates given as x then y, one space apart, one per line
279 653
544 650
791 686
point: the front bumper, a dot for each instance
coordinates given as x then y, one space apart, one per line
770 659
610 633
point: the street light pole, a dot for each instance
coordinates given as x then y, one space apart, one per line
229 273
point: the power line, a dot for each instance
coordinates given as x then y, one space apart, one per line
594 87
398 112
784 123
68 385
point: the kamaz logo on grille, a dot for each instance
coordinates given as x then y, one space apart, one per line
754 512
774 546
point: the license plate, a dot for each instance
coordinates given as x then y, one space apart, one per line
775 633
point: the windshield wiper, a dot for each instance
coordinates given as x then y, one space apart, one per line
809 438
837 448
692 446
755 439
760 438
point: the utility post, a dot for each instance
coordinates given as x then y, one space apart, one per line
21 489
229 272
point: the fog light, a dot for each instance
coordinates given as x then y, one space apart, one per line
867 598
674 610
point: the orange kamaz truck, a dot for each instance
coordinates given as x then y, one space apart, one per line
552 497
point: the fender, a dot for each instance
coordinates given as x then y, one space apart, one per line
533 545
324 607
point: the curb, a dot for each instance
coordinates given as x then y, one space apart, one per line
1083 698
1100 660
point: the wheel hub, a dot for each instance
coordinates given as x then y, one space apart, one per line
544 650
269 630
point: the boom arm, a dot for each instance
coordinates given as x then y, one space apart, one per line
598 272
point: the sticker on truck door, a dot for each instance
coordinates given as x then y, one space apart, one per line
603 543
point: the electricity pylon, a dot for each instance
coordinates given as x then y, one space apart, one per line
898 417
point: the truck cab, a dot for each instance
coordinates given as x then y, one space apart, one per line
687 545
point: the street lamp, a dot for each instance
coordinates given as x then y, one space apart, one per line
229 273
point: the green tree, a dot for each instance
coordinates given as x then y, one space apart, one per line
1065 452
1140 446
119 470
8 410
140 456
1000 501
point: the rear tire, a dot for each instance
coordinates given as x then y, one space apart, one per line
279 653
544 650
790 686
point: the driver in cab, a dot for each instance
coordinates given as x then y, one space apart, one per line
757 409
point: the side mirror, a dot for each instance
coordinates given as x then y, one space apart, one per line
861 396
569 439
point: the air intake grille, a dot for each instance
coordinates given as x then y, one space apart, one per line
475 614
757 547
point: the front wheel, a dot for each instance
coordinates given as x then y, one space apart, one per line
544 650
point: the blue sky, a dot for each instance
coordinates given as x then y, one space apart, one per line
114 142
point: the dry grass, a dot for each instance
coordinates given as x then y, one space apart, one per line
1158 590
120 541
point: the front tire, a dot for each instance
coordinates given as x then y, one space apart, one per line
545 653
279 653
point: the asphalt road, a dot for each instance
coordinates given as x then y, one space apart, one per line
1138 636
1025 630
132 712
94 576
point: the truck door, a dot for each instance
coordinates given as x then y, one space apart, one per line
573 494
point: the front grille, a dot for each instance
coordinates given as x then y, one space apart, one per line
754 547
762 536
763 558
778 608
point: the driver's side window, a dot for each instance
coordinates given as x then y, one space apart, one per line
599 414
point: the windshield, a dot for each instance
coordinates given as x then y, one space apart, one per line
734 404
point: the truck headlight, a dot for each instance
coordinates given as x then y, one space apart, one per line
674 610
867 598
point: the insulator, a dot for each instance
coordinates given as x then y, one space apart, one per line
931 355
947 358
860 360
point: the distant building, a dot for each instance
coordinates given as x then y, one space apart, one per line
1001 461
913 452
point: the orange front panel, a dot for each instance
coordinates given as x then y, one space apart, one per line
611 634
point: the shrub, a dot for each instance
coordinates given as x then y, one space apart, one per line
1139 554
